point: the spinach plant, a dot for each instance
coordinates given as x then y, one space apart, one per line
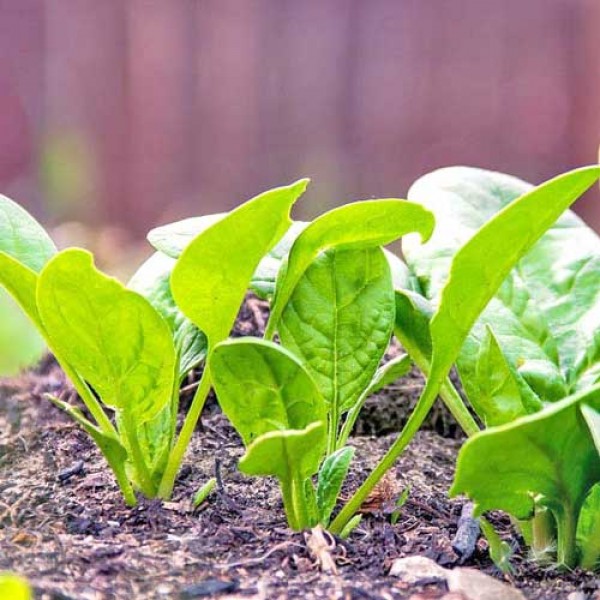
126 354
436 336
294 404
530 366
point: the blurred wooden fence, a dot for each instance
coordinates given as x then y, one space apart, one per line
137 111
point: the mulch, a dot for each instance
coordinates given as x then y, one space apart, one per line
63 523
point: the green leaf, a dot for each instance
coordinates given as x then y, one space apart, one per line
22 237
265 276
550 455
204 492
286 454
332 474
212 275
262 387
533 312
499 397
174 238
353 226
481 265
413 317
152 280
24 249
389 373
339 320
14 587
112 336
500 551
588 530
20 344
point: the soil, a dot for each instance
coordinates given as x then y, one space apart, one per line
63 523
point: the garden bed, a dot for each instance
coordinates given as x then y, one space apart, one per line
64 524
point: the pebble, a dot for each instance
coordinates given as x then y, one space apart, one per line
469 584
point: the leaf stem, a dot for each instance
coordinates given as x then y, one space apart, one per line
412 426
566 527
137 456
289 505
185 435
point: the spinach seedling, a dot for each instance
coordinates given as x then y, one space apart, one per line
126 354
534 347
476 273
294 405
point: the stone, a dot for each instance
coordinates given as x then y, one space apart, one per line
418 570
476 585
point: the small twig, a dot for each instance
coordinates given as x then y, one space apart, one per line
189 388
259 559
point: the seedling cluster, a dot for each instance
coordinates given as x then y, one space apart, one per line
499 279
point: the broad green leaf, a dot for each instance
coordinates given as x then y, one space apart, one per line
339 320
213 272
353 226
499 397
413 317
152 280
389 373
588 530
264 278
332 474
532 314
262 387
287 454
174 238
22 237
24 249
14 587
20 344
110 335
550 455
481 265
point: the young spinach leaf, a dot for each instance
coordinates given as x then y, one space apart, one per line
332 474
24 249
152 280
477 272
338 321
551 454
544 315
352 226
210 280
588 530
278 411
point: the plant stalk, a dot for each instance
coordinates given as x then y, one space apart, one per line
137 456
410 429
185 435
566 528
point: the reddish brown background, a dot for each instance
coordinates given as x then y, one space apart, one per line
140 111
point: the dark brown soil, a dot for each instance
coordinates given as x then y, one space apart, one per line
63 523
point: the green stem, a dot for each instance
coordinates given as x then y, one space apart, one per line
334 420
410 429
543 532
457 408
144 476
185 435
88 398
287 494
566 527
